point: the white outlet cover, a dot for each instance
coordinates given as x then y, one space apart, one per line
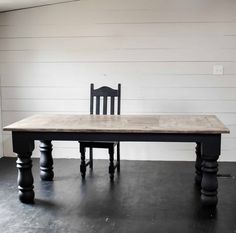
218 70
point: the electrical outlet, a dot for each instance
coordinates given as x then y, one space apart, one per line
218 70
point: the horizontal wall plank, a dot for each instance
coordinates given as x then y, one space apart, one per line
128 106
57 80
113 69
155 43
168 55
155 106
137 93
85 29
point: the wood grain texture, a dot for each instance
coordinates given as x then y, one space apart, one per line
122 124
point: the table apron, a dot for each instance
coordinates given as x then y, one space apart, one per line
88 136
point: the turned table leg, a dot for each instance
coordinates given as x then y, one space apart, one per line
46 160
198 164
209 185
25 178
23 148
209 182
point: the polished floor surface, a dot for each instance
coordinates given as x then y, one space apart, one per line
146 197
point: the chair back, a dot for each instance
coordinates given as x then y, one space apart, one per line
105 100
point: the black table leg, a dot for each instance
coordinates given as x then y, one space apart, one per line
209 185
46 160
25 180
198 164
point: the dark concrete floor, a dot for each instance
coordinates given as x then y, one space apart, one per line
146 197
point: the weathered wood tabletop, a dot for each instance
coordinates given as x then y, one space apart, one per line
204 124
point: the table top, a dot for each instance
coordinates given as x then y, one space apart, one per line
189 124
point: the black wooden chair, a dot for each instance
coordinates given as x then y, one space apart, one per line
102 94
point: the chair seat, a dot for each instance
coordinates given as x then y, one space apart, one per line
98 144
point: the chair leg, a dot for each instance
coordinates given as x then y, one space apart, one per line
111 165
118 157
91 157
83 162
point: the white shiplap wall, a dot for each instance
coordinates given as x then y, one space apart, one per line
161 51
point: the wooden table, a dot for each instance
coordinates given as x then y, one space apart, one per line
204 130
